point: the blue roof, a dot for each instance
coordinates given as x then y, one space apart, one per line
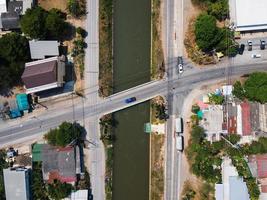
22 102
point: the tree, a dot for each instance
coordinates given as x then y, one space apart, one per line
81 32
238 90
217 99
197 134
207 33
77 8
55 24
13 55
39 190
195 108
219 9
64 134
33 23
256 87
58 190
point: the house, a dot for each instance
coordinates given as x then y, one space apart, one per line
248 15
63 164
44 74
11 11
17 183
43 49
232 187
263 117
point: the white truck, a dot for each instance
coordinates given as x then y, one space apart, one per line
179 125
179 142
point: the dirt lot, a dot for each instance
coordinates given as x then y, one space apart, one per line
49 4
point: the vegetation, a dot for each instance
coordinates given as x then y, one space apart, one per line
208 35
157 62
40 24
39 190
107 123
58 190
216 99
65 134
3 165
157 166
219 9
105 48
205 160
13 55
254 88
195 108
77 8
188 192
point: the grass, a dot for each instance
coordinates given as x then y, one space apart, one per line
105 48
49 4
157 167
154 110
157 60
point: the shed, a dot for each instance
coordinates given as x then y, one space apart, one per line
41 49
10 21
22 101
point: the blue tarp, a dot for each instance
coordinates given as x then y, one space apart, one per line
15 113
22 102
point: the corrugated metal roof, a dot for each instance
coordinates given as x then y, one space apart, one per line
251 15
36 152
3 7
41 49
246 127
39 73
10 20
16 184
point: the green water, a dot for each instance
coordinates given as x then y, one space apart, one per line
131 68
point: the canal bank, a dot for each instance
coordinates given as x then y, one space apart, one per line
132 39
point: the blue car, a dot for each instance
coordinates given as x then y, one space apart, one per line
130 100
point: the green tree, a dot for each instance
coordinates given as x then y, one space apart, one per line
207 33
195 108
197 134
33 23
238 90
39 190
64 134
81 32
217 99
219 9
256 87
13 55
58 190
55 24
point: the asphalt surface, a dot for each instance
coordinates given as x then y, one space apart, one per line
53 118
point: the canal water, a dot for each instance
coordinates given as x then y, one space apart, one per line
131 68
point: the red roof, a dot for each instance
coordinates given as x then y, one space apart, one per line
63 179
262 165
246 127
264 188
232 125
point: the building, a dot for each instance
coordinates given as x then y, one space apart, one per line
63 164
248 15
44 74
17 183
246 126
10 12
232 187
43 49
263 117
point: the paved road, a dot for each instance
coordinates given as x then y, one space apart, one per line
116 102
96 162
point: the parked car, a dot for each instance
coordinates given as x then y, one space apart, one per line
130 100
241 49
255 55
249 45
262 46
180 64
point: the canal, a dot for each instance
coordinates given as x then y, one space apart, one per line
131 67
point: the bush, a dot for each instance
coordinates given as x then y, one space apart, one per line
216 99
219 9
81 32
208 35
58 190
195 108
77 8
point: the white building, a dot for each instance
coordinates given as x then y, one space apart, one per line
248 15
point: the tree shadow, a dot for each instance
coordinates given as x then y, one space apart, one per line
6 92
